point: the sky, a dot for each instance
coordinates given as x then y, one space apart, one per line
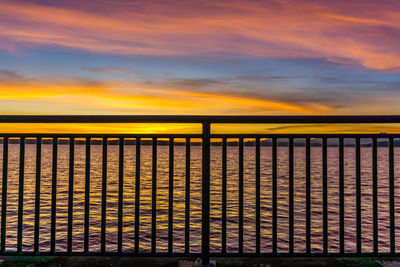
270 57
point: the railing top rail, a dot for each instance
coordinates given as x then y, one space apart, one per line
195 119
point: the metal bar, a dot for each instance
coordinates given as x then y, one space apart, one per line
258 205
391 197
137 196
308 196
358 195
171 198
177 136
233 255
325 194
195 119
104 197
70 192
120 192
187 198
314 256
4 195
78 135
224 190
37 195
21 193
274 197
205 196
291 197
317 135
375 193
87 195
341 195
154 199
54 196
241 195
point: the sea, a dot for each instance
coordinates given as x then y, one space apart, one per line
249 212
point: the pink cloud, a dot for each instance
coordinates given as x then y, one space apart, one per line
363 33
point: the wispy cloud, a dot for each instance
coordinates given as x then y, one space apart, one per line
105 70
360 33
138 97
174 95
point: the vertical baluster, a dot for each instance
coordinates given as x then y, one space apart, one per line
205 195
258 205
391 197
70 192
21 192
137 196
154 199
224 180
375 193
291 197
4 195
87 195
240 195
37 194
308 195
341 193
120 192
274 196
54 196
358 195
325 194
187 198
104 197
171 198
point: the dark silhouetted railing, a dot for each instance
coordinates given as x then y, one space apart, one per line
258 141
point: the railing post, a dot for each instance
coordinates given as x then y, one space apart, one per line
205 199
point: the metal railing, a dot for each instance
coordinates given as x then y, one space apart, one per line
206 136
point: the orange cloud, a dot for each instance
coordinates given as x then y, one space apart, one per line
358 32
133 98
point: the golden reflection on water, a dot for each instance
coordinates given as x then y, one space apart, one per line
195 201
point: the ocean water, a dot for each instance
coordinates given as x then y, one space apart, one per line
195 200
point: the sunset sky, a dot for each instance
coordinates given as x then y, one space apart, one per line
268 57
